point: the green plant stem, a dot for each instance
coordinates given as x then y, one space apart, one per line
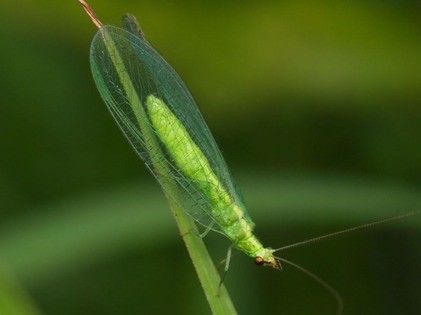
217 296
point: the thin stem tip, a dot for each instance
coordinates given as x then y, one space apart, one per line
91 13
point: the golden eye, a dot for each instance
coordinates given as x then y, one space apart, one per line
259 261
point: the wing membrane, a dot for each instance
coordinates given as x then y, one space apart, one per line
149 74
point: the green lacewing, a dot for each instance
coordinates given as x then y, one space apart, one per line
159 117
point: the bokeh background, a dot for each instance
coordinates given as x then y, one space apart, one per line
315 105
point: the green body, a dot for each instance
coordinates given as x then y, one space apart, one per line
230 216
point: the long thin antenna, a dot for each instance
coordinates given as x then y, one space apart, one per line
353 229
91 13
320 281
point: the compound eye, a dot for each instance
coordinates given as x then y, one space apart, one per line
259 261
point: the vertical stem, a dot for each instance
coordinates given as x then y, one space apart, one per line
218 297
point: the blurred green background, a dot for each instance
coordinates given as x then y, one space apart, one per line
316 106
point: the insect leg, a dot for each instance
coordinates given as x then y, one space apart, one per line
227 265
203 234
208 229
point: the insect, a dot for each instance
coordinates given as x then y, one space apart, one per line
159 117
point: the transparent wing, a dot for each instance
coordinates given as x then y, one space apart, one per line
148 73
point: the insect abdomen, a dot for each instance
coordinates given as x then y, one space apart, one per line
194 165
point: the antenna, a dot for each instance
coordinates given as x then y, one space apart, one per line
320 281
91 13
352 229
